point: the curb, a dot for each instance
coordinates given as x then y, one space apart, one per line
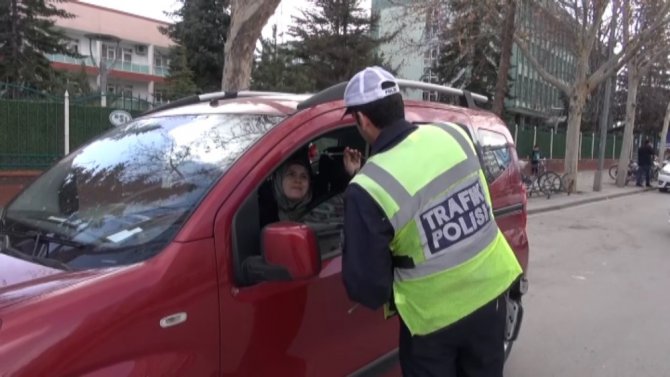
586 201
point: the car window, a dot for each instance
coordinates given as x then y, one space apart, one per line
495 153
328 179
325 215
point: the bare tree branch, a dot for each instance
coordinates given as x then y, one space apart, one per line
631 48
558 83
595 27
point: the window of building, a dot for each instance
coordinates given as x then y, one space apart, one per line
160 95
430 96
127 91
161 60
108 52
127 55
73 46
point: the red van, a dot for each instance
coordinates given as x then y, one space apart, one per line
141 253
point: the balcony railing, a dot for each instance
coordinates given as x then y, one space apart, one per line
119 66
161 71
128 67
60 58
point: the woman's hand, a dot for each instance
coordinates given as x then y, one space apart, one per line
352 161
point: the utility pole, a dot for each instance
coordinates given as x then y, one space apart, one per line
605 114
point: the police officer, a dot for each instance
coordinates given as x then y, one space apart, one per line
420 238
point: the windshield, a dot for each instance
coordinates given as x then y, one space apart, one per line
121 198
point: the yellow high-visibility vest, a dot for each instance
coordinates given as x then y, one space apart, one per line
433 191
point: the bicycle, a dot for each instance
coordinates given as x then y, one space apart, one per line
631 172
552 181
533 183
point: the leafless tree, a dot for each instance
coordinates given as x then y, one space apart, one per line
247 21
664 134
637 14
505 57
585 19
103 64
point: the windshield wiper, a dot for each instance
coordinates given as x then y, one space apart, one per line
59 240
49 262
47 237
40 234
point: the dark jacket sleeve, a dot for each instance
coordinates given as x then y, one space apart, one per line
366 258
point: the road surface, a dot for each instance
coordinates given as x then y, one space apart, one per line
599 298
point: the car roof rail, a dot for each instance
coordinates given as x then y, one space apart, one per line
336 92
213 97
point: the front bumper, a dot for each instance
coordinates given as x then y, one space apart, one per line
663 181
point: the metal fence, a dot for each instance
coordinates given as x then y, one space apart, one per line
552 144
32 130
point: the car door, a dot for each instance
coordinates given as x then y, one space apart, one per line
296 328
499 162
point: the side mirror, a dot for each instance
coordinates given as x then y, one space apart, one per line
292 246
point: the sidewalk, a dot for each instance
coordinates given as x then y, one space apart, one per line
584 194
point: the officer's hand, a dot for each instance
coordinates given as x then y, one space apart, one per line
352 160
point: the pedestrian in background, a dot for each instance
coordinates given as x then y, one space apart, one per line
420 238
645 158
535 156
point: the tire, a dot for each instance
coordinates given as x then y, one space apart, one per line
507 346
512 329
544 182
552 182
613 171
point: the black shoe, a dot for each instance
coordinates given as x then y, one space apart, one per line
638 185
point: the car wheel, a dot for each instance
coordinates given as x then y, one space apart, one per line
508 348
512 323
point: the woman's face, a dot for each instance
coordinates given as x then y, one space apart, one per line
295 182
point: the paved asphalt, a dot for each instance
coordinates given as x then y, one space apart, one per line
599 298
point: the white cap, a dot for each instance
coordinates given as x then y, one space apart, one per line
366 87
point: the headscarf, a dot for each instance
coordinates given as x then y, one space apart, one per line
290 210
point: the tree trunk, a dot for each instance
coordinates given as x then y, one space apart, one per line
247 21
13 74
631 104
577 104
505 58
664 135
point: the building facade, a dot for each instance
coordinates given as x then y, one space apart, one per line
131 46
533 101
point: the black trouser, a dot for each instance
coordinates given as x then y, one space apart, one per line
646 171
471 347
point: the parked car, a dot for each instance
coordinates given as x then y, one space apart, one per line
141 254
664 177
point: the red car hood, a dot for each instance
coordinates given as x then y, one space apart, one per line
21 280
